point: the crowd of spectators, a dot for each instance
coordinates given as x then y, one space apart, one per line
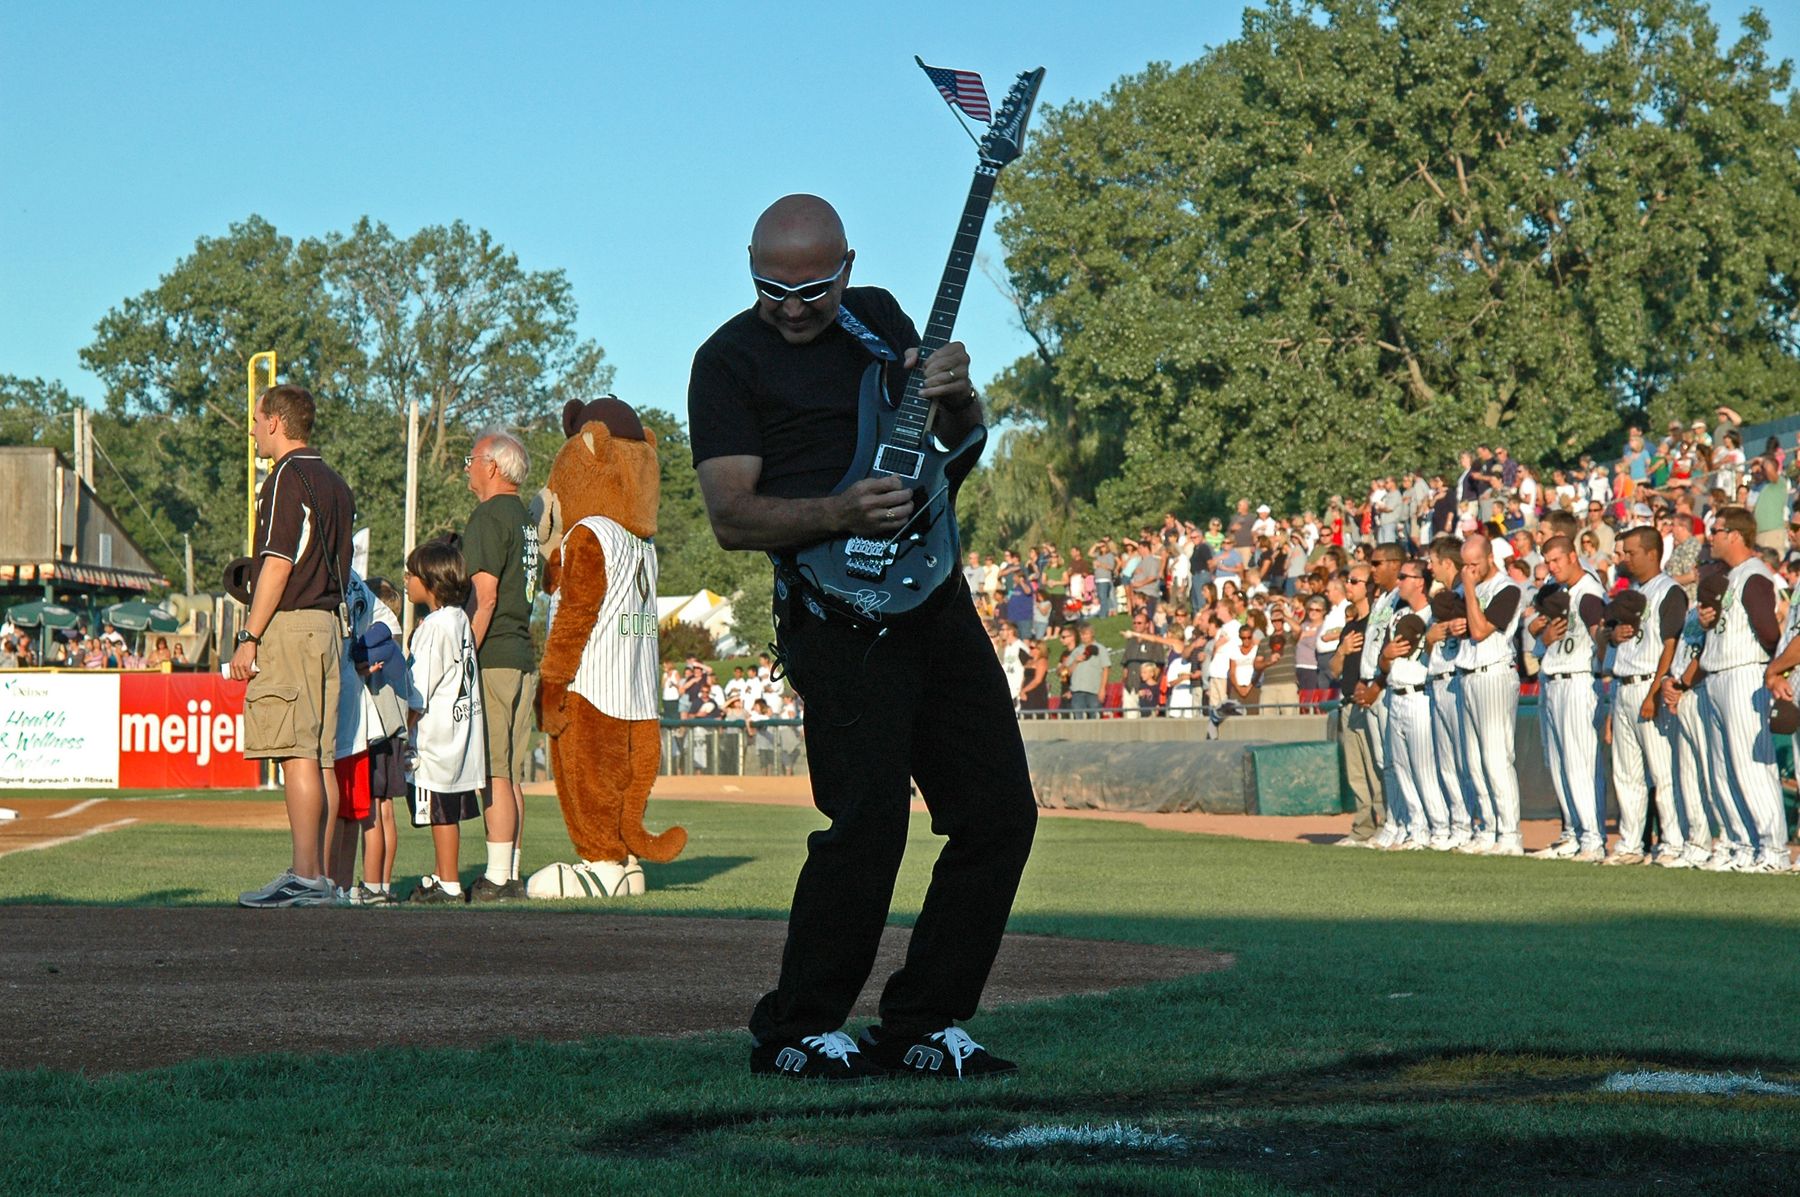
1228 614
77 649
752 713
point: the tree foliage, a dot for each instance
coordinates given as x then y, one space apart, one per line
1364 234
366 321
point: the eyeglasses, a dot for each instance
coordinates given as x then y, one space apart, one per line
810 292
472 458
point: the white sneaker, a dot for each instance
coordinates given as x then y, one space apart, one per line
1351 841
1441 842
1560 850
1681 861
1590 856
1695 856
1460 836
1478 846
1507 850
1625 857
1774 862
1719 862
1385 838
1408 844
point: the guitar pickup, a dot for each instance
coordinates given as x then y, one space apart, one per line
863 546
872 568
902 463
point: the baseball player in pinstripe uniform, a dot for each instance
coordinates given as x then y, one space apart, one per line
1740 641
1643 731
1787 656
1412 775
1693 777
1570 712
1454 782
1384 564
1489 683
1684 693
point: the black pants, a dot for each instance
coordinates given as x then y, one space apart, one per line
928 702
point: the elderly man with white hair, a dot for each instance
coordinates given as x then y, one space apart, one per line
501 547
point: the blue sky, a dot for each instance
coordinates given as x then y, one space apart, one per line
630 144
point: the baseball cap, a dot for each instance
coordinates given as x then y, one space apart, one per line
236 579
1263 510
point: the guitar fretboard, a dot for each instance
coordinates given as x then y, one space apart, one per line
915 411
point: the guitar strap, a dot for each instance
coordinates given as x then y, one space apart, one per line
871 340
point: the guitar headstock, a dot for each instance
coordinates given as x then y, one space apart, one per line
1005 139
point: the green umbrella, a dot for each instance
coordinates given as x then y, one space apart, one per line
136 615
40 614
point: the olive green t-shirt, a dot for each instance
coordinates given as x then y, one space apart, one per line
501 540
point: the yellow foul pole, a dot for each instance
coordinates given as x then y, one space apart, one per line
250 388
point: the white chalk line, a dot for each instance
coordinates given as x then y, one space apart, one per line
69 839
76 809
1722 1084
1118 1135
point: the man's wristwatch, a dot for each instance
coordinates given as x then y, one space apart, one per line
245 636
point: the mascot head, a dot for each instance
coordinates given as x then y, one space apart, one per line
607 467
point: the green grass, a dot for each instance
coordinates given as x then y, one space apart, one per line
1394 1022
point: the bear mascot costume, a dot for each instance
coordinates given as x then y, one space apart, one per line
599 684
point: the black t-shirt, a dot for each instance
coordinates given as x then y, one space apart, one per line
751 394
1352 661
290 525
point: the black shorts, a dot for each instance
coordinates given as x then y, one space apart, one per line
387 768
430 808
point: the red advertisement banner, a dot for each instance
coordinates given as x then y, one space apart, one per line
182 731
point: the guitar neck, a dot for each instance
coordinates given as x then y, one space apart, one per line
915 410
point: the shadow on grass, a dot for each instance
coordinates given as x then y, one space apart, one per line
1371 1123
160 897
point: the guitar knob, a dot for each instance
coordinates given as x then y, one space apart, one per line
909 583
930 561
916 537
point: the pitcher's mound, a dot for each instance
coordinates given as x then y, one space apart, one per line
107 989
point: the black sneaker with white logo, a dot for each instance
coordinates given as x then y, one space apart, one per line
833 1056
948 1054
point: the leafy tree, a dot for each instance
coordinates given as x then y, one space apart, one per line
449 317
1366 233
173 363
35 412
364 321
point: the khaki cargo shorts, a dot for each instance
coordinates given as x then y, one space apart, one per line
291 704
509 695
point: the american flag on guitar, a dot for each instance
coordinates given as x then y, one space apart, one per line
960 89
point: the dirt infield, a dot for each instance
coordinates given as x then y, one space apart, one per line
47 822
108 990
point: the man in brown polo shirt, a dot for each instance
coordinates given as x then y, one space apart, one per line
289 646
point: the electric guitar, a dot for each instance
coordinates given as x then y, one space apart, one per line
882 580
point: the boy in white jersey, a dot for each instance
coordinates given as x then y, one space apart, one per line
449 743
